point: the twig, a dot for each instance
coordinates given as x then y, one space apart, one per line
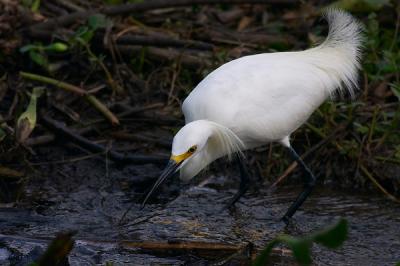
306 154
134 110
114 85
388 160
70 5
57 83
149 245
167 54
102 109
62 130
71 160
250 39
157 4
68 87
129 136
181 246
40 140
5 171
44 139
64 109
54 9
156 121
163 42
376 183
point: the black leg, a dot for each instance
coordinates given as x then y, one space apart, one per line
308 186
244 182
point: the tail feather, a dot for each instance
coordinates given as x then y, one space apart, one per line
340 54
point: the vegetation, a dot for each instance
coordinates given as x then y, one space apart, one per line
57 251
101 74
360 136
331 237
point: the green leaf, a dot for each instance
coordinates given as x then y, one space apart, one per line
333 236
398 264
3 134
35 5
361 128
113 2
57 47
38 58
300 247
98 21
27 120
27 48
360 5
83 35
58 250
262 258
395 89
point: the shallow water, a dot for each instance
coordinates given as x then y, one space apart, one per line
72 199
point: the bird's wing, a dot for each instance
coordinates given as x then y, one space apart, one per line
265 96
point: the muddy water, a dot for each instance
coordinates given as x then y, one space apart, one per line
91 198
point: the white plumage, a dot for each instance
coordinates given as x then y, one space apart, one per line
257 99
265 97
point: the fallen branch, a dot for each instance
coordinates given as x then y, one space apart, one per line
45 139
251 39
8 172
125 9
102 109
62 130
166 54
163 42
57 83
376 183
134 110
72 88
141 138
178 245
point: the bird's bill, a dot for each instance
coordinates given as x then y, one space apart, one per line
169 170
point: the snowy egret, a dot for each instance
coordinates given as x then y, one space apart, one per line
263 98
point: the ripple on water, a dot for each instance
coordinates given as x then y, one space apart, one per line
198 214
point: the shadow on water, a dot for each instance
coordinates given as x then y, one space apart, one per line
193 228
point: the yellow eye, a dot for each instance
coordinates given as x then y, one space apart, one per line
192 149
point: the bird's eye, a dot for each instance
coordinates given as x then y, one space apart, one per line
192 149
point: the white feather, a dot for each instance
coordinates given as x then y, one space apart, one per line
257 99
340 52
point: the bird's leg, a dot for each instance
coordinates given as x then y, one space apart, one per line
244 182
308 186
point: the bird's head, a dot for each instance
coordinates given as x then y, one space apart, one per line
195 146
190 141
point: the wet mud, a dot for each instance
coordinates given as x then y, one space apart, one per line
184 224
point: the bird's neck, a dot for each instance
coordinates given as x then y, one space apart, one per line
222 141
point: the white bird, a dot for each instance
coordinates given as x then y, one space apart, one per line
263 98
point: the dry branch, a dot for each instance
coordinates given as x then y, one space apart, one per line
102 109
163 42
167 54
157 4
125 9
57 83
61 130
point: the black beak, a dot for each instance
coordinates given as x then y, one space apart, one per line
169 170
